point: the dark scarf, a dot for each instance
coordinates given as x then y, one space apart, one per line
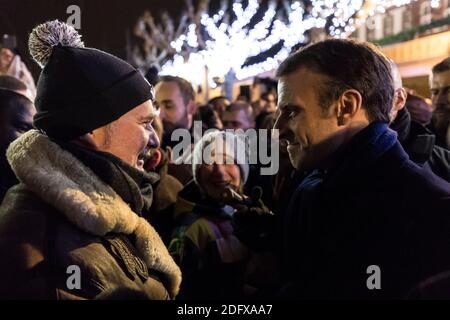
135 188
132 185
402 125
417 140
362 152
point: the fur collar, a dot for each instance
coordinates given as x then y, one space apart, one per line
61 180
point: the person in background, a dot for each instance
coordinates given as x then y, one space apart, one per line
152 75
14 84
166 189
11 64
440 97
242 98
238 115
257 107
419 108
219 104
266 118
16 117
211 258
209 118
269 102
416 139
175 99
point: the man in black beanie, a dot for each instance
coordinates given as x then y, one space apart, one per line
73 227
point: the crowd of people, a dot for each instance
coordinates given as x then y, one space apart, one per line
89 180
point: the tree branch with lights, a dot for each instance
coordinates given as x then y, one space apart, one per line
245 39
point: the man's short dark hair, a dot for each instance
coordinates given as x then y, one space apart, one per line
214 100
265 95
349 65
187 92
442 66
241 106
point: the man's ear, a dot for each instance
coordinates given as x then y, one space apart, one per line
191 107
348 105
400 99
87 141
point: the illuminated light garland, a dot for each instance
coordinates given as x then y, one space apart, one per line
435 3
229 46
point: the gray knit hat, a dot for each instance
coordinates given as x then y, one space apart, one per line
232 145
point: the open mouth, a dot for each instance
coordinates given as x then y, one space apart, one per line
144 154
142 157
220 183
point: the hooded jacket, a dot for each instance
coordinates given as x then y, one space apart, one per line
420 144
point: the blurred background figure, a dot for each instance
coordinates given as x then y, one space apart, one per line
440 96
238 115
175 99
166 189
266 117
212 259
152 75
419 108
16 118
418 142
209 117
219 104
14 84
269 102
242 97
11 64
257 107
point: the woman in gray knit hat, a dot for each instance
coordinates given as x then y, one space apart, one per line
211 258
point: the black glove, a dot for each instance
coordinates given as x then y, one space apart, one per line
254 222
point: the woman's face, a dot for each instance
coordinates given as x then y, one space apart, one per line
6 57
216 177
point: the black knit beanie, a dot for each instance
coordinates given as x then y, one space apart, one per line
80 89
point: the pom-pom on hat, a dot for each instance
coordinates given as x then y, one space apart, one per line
80 89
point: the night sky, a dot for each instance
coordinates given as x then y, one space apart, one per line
104 23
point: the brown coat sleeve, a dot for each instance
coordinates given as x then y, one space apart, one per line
23 223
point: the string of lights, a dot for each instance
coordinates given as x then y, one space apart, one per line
230 45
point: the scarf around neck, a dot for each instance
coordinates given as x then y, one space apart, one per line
134 186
